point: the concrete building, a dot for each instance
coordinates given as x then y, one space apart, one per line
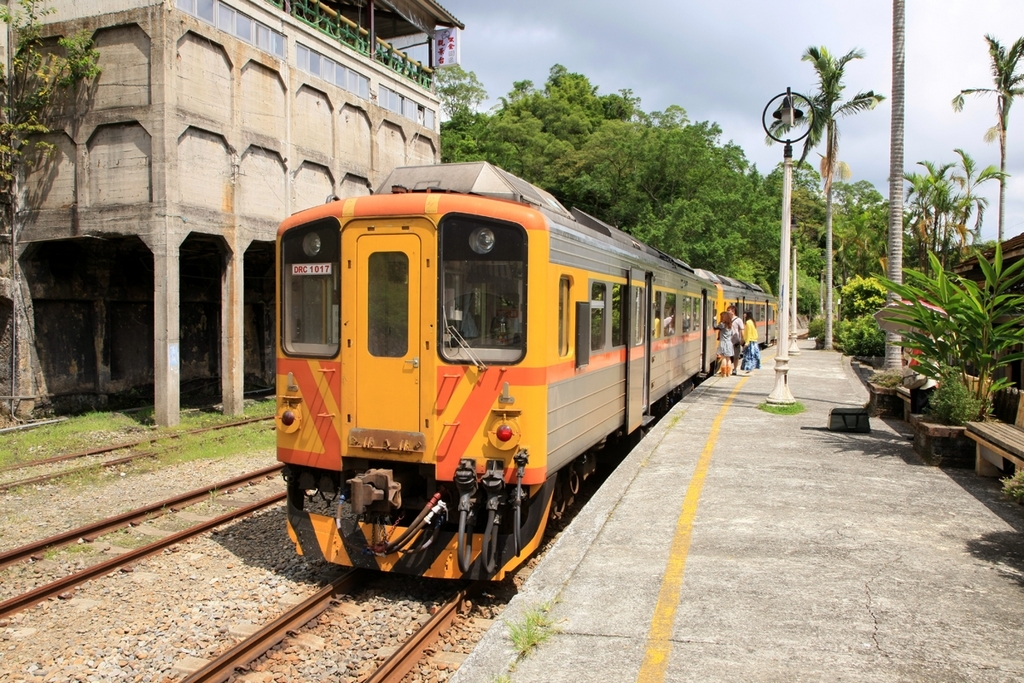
145 241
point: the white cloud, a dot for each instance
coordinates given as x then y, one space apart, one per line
723 61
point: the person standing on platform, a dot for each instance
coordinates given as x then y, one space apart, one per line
751 345
725 345
737 338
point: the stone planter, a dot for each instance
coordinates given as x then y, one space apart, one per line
884 402
819 343
942 445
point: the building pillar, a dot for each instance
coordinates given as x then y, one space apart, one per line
232 334
166 330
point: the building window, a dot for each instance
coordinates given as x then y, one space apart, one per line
242 26
392 101
315 64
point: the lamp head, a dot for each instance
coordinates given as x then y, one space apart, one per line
787 113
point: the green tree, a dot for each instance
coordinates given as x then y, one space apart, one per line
459 90
863 296
970 326
1008 84
968 178
859 227
828 108
39 89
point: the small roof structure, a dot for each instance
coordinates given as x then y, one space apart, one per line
394 18
1013 251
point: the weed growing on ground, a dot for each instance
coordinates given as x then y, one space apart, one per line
791 409
535 628
889 379
1013 487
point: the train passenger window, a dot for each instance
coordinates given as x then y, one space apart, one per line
658 310
669 323
618 320
387 291
483 290
636 309
310 284
597 297
563 316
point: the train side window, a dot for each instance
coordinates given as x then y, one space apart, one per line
658 310
598 290
310 286
563 316
669 321
618 320
637 308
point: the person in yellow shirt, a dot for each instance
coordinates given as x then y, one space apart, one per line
751 344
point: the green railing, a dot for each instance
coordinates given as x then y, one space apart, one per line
350 34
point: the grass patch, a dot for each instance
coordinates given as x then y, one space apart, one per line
94 430
124 538
791 409
535 628
73 549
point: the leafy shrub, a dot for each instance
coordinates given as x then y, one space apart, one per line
952 402
860 337
889 379
862 296
1013 487
816 328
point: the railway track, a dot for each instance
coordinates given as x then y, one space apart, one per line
92 531
55 588
392 670
130 444
6 486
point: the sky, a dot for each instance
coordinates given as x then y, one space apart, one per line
723 62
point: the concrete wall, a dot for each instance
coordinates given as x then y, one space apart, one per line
189 131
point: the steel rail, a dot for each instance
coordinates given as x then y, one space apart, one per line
91 531
395 667
25 600
130 444
253 647
6 486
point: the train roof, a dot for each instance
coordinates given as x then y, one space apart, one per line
487 180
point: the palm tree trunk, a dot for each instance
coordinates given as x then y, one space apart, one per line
828 267
1002 180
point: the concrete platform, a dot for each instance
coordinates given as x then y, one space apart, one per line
736 545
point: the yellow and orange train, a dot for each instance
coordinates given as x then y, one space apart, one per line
454 351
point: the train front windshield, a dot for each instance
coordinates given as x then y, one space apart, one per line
483 285
310 289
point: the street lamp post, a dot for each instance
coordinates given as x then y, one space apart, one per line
794 348
786 118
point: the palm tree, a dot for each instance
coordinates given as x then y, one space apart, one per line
827 109
968 178
893 353
1008 84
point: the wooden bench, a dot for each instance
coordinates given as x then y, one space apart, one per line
998 443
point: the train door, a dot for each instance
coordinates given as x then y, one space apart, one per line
637 349
703 320
384 310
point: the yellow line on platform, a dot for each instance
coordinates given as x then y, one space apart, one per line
659 643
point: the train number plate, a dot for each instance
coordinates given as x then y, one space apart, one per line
311 269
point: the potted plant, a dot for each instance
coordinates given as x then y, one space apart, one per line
884 401
939 436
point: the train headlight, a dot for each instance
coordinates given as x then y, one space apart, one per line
288 417
481 240
311 244
504 432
